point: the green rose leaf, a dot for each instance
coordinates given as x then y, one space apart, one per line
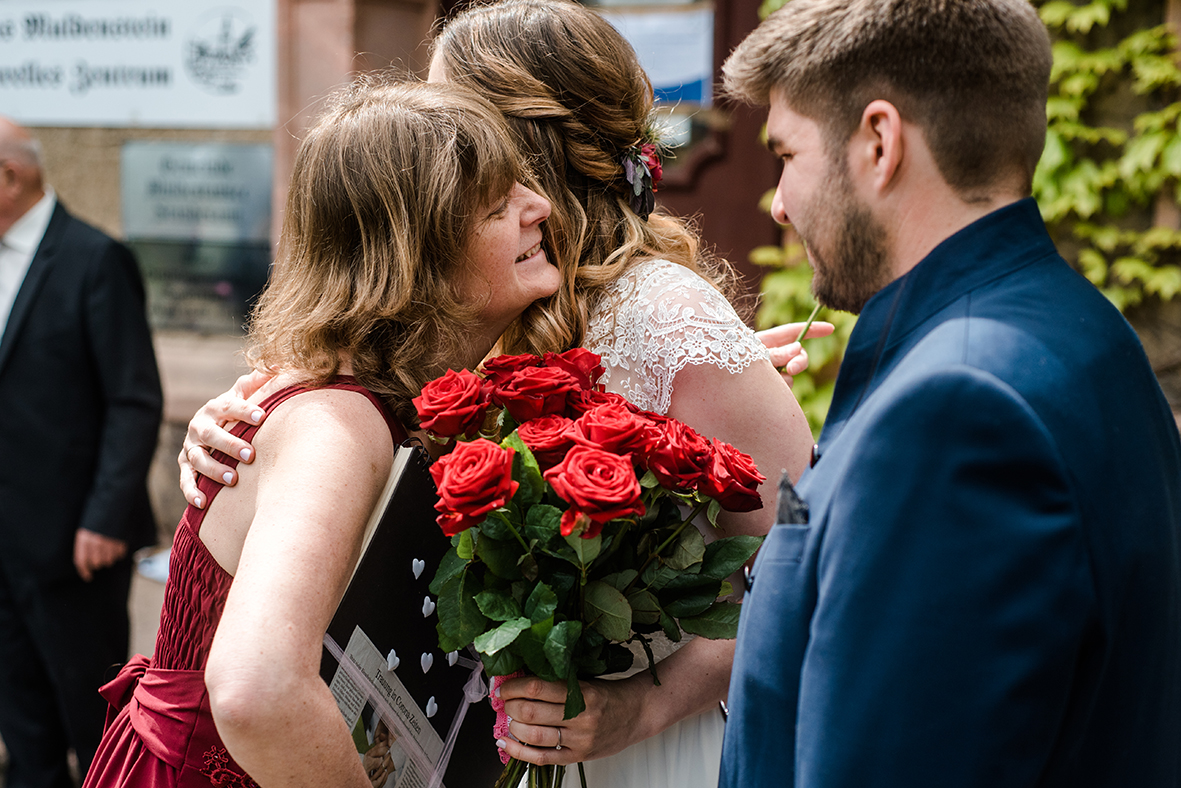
621 580
501 557
466 547
460 619
657 575
607 610
559 645
449 567
712 511
649 480
720 621
494 640
575 704
496 525
645 608
541 604
585 550
502 663
726 556
669 625
531 646
525 471
498 605
542 522
689 549
689 595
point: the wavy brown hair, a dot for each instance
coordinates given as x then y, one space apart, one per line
576 98
384 194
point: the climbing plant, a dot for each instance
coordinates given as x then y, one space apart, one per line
1108 183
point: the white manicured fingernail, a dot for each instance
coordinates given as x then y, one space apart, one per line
256 417
501 743
227 477
245 455
198 502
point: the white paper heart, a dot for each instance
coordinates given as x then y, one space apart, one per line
432 708
417 566
426 661
452 658
428 606
391 660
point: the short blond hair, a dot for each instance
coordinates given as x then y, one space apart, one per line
974 74
384 194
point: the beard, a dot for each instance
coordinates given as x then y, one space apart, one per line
847 247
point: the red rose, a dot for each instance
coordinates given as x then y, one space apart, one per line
452 405
548 438
615 428
600 487
681 457
473 480
535 391
582 401
584 365
652 161
500 368
732 479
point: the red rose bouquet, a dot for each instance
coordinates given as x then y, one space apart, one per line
572 536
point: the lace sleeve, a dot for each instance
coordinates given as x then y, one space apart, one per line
658 319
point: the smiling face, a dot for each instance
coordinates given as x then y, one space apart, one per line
846 244
507 268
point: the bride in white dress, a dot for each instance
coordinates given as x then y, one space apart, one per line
637 291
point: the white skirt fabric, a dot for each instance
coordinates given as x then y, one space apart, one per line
687 755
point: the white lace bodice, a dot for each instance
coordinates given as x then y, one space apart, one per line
658 319
652 323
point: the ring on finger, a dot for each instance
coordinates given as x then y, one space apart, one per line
559 740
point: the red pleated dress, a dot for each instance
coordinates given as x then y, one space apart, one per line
160 731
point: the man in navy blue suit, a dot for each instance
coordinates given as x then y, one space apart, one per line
987 591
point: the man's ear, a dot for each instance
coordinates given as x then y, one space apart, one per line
877 145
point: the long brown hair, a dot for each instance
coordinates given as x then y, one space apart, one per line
383 198
576 98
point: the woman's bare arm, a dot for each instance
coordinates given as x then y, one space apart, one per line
326 456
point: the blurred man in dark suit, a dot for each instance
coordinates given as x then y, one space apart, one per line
80 406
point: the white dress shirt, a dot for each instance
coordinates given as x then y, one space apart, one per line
17 248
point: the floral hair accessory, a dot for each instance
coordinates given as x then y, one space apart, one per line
643 172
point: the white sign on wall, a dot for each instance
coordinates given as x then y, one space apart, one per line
156 63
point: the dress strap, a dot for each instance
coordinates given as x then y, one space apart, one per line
247 431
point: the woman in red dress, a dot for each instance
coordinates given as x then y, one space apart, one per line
408 246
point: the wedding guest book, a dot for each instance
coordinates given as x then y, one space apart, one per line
410 705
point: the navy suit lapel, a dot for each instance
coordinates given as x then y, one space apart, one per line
42 263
